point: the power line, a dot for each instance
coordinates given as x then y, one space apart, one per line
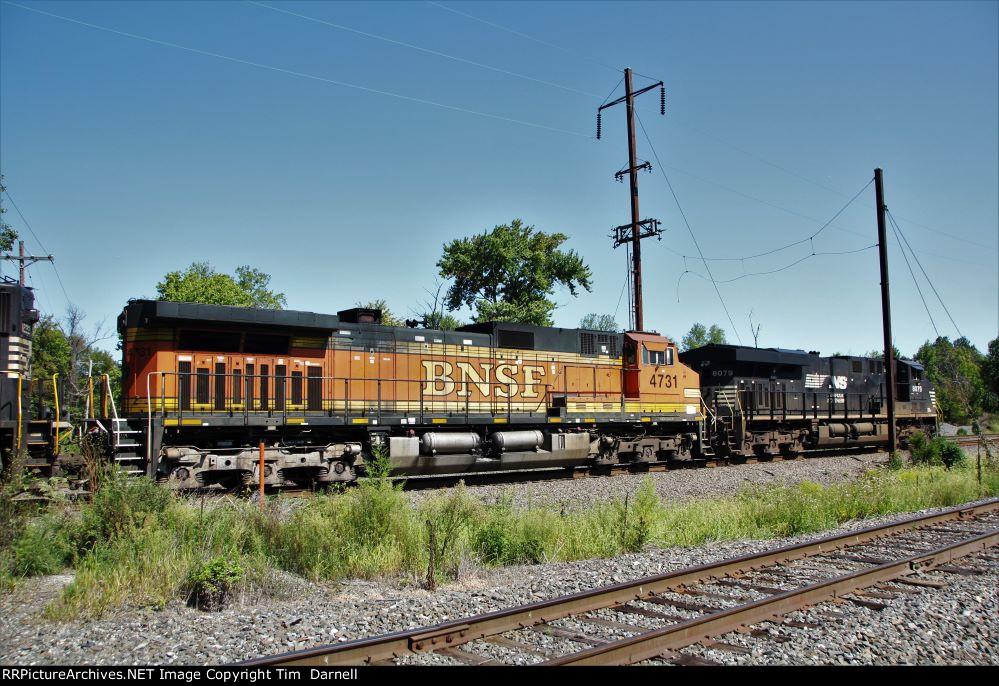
422 49
919 290
902 234
612 91
299 74
802 177
807 239
627 278
689 230
32 231
771 271
524 35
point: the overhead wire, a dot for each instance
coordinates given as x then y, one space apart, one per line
627 278
39 241
523 35
419 48
919 290
689 230
920 264
807 239
291 72
774 271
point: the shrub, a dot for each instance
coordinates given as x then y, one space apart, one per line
213 582
935 452
46 546
637 521
951 454
120 505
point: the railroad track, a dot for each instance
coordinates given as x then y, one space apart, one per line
650 620
972 441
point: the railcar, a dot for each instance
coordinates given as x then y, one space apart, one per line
773 401
207 390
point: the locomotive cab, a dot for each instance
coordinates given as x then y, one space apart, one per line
650 367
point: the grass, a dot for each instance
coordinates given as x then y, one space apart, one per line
139 545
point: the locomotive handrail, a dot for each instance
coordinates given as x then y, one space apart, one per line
290 400
55 398
20 410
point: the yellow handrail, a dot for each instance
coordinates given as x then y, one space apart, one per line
19 411
55 397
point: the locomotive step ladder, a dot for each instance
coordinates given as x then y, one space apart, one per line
128 447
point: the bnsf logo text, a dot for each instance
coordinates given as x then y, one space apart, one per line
439 379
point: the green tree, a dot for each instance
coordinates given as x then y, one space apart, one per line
200 283
7 234
388 317
441 321
49 355
67 349
880 354
954 369
700 335
598 322
508 274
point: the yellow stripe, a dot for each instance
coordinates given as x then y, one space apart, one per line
308 342
646 419
498 420
294 420
358 421
590 419
438 420
554 420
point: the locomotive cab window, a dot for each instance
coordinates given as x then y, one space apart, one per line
655 357
629 353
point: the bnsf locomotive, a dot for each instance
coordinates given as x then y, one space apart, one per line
203 386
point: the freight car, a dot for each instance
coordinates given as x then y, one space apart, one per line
773 401
207 389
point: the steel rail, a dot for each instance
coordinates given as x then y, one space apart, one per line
654 643
456 632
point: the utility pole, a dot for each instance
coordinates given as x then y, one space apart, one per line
634 232
26 259
879 191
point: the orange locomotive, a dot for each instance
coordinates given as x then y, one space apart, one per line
204 386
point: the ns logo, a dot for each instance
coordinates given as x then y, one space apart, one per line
839 382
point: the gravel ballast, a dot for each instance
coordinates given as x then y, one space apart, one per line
680 485
958 624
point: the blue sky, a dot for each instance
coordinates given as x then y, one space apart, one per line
130 157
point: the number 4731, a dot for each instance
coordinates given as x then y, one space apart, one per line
660 380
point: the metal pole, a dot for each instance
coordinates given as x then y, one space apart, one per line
886 309
636 243
20 246
261 476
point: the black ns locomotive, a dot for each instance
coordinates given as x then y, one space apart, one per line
18 317
769 401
